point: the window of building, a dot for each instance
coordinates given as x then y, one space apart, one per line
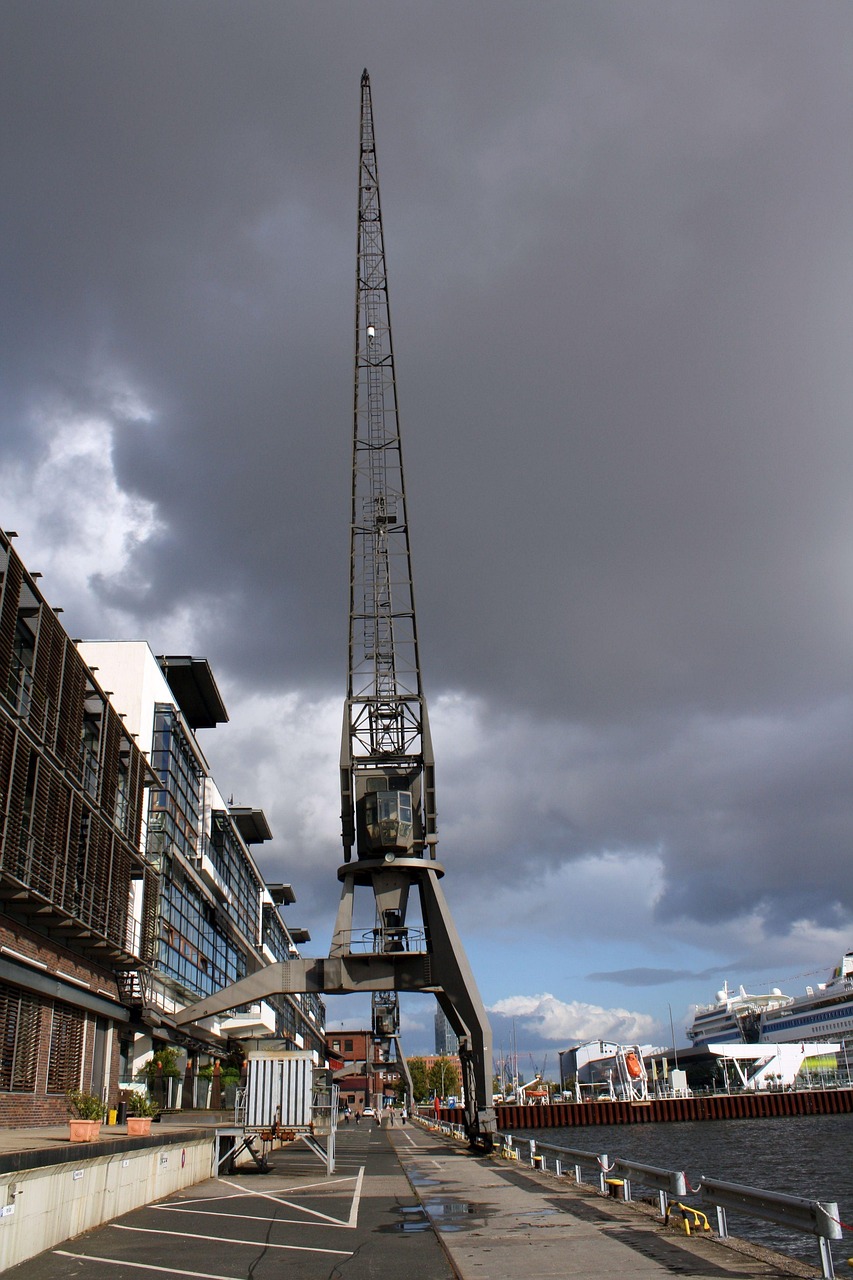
195 949
348 1046
336 1044
123 809
94 715
232 865
66 1049
20 1021
20 675
175 812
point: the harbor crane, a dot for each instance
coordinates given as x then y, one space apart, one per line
387 769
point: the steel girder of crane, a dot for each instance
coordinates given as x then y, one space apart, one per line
386 768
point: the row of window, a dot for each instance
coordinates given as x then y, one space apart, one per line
232 865
193 949
176 810
21 1020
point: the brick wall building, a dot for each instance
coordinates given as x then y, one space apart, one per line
71 794
362 1079
126 891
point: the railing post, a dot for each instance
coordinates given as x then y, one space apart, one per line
827 1269
722 1223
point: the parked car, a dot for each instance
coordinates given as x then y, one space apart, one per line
368 1111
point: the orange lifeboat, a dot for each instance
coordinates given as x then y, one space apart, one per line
633 1066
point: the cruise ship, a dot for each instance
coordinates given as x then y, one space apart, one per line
825 1012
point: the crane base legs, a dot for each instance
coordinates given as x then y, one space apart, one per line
442 968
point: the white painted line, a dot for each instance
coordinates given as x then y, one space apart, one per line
306 1186
300 1208
410 1141
356 1198
238 1194
206 1199
145 1266
194 1235
249 1217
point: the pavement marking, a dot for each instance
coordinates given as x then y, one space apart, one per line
146 1266
250 1217
326 1182
315 1213
410 1140
356 1199
195 1235
208 1199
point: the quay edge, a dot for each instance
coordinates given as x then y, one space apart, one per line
718 1106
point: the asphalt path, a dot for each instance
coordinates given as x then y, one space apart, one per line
362 1221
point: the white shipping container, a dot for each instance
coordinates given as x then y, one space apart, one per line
279 1088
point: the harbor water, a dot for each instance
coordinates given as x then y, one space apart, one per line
808 1156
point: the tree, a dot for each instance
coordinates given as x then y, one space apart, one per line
420 1086
166 1056
443 1078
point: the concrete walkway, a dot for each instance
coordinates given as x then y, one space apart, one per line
403 1204
502 1221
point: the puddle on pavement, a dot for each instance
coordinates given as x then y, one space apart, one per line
413 1220
444 1215
447 1214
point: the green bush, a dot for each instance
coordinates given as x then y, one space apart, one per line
139 1105
85 1106
167 1057
227 1075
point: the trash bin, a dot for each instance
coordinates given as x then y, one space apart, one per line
112 1115
122 1113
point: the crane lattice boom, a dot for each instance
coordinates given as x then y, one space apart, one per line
386 721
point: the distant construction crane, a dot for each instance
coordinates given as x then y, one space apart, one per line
387 769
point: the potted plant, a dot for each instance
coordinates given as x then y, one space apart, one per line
140 1112
86 1111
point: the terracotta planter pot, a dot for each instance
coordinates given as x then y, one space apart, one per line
83 1130
138 1126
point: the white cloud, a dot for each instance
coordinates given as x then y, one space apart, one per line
280 751
556 1020
74 520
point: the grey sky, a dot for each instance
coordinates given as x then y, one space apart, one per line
619 247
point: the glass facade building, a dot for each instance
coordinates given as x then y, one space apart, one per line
206 916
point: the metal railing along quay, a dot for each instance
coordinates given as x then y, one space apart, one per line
617 1176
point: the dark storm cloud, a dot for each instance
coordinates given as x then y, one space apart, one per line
619 245
645 977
